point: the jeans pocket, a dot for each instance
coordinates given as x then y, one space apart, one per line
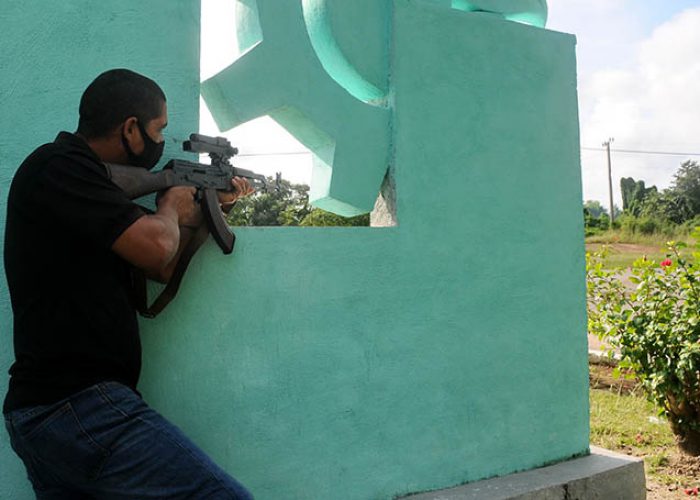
15 444
62 444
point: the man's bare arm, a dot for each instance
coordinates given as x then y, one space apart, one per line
153 243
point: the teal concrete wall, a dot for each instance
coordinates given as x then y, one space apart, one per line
368 362
50 52
363 363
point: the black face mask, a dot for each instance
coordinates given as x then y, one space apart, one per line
152 150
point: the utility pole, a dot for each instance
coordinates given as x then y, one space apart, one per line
606 145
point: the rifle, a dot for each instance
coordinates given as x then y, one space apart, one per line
208 179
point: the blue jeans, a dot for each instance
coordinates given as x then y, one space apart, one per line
106 443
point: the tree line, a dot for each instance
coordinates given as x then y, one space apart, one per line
286 204
647 210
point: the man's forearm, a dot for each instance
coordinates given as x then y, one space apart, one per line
151 242
185 235
170 230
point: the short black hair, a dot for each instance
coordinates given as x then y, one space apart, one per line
113 97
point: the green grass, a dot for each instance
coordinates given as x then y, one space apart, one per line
624 248
620 421
651 240
628 423
622 258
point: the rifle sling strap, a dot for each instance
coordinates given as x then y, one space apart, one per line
170 290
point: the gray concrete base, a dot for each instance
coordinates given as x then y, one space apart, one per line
601 475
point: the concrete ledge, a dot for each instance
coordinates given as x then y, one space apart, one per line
601 475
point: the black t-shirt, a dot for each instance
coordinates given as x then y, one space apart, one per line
74 319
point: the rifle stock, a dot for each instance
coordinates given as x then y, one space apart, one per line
137 182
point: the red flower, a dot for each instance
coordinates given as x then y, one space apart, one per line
666 263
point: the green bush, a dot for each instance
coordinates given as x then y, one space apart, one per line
595 223
691 224
656 329
593 231
318 217
646 225
628 224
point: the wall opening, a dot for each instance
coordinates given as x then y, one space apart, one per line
265 147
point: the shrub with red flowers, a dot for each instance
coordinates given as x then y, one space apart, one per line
655 328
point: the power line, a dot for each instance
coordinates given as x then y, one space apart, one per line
612 150
641 152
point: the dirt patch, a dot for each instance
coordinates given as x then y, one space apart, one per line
678 466
624 248
662 492
601 376
685 465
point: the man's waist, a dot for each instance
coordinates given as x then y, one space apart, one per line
25 391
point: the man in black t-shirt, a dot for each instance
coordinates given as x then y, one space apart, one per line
72 238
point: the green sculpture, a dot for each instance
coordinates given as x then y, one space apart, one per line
320 68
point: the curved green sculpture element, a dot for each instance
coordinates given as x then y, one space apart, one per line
532 12
248 31
317 14
351 41
282 75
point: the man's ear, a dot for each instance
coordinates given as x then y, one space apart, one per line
130 130
129 127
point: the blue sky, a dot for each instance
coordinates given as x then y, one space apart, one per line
638 74
609 30
638 69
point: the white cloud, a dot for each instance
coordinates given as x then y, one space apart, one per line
654 104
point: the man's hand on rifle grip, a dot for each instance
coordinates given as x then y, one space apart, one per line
241 189
182 199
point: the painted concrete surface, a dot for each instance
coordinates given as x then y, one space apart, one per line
50 52
360 363
375 362
602 475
